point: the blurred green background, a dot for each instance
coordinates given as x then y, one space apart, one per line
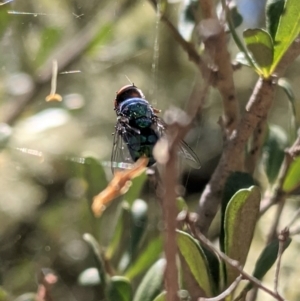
43 206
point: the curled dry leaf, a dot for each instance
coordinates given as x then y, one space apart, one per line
118 186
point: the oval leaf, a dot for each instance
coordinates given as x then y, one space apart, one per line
146 258
273 151
292 179
161 297
274 9
119 289
196 261
287 31
239 224
266 260
152 282
260 45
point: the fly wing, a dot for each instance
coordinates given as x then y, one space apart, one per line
189 155
120 156
184 150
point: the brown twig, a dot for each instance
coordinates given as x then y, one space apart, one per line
226 293
216 46
234 263
166 152
258 106
282 237
257 142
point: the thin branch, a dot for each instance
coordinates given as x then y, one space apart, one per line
233 154
234 263
232 157
280 195
226 293
256 145
282 237
216 47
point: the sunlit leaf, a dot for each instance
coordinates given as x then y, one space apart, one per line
260 45
274 10
292 179
89 277
152 282
161 297
196 261
273 151
287 31
235 182
146 258
119 289
239 224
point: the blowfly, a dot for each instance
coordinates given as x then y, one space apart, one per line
138 129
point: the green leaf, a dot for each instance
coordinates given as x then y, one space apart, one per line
292 179
95 177
119 289
287 88
287 31
239 224
181 204
93 244
196 261
274 10
273 151
235 182
135 189
89 277
260 45
138 225
236 17
146 258
139 211
124 220
161 297
266 260
152 282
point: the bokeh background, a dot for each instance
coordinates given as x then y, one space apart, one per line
100 46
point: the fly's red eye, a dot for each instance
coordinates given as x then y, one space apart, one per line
126 92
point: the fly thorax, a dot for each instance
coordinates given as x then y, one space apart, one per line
138 111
